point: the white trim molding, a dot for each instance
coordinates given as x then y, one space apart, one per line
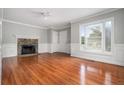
102 50
60 27
55 27
26 36
94 15
20 23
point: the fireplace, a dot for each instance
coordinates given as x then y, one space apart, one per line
27 46
28 49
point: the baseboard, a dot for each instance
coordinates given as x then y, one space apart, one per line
28 55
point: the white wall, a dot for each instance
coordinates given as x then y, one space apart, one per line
12 31
118 49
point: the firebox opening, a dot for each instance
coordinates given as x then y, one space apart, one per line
28 49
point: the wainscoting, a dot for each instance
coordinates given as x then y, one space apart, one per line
10 50
117 56
65 48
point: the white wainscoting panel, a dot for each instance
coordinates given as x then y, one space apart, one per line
64 48
116 58
119 54
42 48
9 50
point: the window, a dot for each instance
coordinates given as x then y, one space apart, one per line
108 29
96 36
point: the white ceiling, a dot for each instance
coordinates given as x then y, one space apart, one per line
58 15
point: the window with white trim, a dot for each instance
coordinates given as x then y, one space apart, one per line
96 36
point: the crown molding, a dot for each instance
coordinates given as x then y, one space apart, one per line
93 15
20 23
55 27
60 26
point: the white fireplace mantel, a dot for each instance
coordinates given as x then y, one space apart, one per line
26 36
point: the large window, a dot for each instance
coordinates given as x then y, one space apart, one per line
96 36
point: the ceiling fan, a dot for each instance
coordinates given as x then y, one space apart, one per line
43 13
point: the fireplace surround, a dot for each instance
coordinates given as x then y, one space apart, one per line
27 46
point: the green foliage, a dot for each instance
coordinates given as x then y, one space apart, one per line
82 40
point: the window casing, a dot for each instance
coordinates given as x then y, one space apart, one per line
97 36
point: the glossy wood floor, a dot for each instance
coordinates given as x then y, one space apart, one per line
59 69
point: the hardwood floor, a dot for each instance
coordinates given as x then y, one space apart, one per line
59 69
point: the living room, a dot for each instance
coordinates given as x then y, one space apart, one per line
65 46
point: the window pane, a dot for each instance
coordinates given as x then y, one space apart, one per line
108 29
94 36
82 33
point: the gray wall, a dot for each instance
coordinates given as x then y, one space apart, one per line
0 13
59 40
68 34
118 26
49 34
75 33
10 31
0 33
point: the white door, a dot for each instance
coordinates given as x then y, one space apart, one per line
54 47
63 42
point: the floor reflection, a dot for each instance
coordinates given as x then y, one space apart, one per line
93 74
82 74
92 69
107 78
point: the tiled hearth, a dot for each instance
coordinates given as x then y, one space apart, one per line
27 46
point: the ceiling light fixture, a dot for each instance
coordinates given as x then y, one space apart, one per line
45 14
